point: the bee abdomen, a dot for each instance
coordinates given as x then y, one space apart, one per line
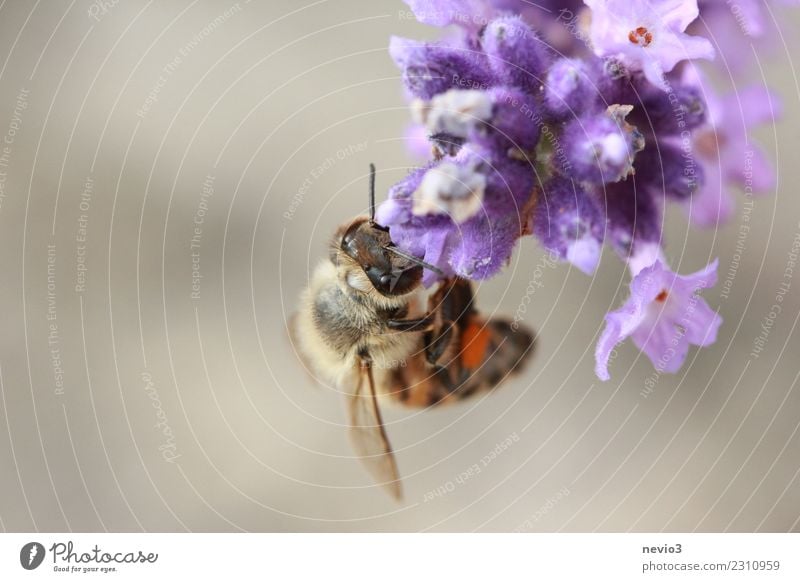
487 354
508 347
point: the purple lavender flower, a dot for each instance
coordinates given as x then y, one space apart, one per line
647 36
500 118
579 131
484 246
456 113
672 168
601 147
424 236
463 213
569 223
570 88
635 216
670 113
432 68
736 29
744 32
727 156
451 188
663 316
417 143
513 124
516 54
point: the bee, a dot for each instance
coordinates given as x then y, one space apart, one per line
361 327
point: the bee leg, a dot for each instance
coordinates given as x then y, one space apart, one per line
421 324
450 374
436 344
453 300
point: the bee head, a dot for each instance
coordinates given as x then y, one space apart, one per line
368 246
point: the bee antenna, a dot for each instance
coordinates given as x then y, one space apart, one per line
415 260
372 193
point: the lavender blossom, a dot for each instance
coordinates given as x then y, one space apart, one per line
499 117
663 316
432 68
570 88
635 216
681 108
513 122
726 154
570 224
741 30
451 188
673 169
516 54
601 148
463 213
577 125
647 36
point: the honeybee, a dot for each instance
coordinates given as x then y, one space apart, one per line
361 327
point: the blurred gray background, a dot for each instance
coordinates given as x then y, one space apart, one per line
173 174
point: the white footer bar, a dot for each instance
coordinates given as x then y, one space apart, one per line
401 557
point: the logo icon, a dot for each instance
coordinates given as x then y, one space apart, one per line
31 555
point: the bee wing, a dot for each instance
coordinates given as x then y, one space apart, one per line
369 435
